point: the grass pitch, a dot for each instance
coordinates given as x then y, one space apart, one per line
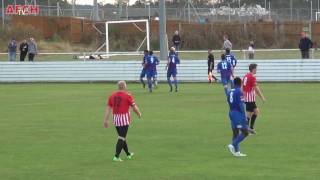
55 131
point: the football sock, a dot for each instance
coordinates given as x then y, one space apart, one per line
125 148
226 90
170 83
214 78
176 84
119 147
248 120
237 141
150 84
156 82
232 84
253 120
142 82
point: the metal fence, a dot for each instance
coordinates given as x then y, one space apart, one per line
194 15
262 54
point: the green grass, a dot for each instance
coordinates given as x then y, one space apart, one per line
193 56
54 131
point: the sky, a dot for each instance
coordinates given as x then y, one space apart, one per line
90 2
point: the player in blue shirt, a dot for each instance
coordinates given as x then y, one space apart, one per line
151 67
237 117
231 58
143 71
226 70
173 60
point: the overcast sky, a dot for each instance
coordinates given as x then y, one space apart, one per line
103 1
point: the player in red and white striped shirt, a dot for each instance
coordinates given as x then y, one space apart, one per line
119 103
250 88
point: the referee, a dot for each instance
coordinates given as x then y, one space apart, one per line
119 103
211 66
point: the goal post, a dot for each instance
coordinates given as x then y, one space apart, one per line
317 16
147 31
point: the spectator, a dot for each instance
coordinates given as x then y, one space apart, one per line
251 50
92 56
226 43
12 49
23 50
32 49
305 45
176 40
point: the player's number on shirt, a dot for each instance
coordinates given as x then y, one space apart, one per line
173 60
224 65
231 97
152 60
245 80
229 59
117 101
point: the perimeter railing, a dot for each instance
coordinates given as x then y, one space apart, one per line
184 54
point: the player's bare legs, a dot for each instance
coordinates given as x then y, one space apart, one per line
249 116
254 117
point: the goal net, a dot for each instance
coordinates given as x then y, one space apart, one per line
145 30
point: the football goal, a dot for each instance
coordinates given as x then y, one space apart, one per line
134 23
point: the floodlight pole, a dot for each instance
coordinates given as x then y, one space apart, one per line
229 12
58 9
162 30
107 39
311 11
96 10
149 10
148 35
269 10
189 13
291 10
49 8
74 8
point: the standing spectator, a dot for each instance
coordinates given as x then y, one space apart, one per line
32 49
176 40
23 50
12 49
251 50
305 45
226 43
